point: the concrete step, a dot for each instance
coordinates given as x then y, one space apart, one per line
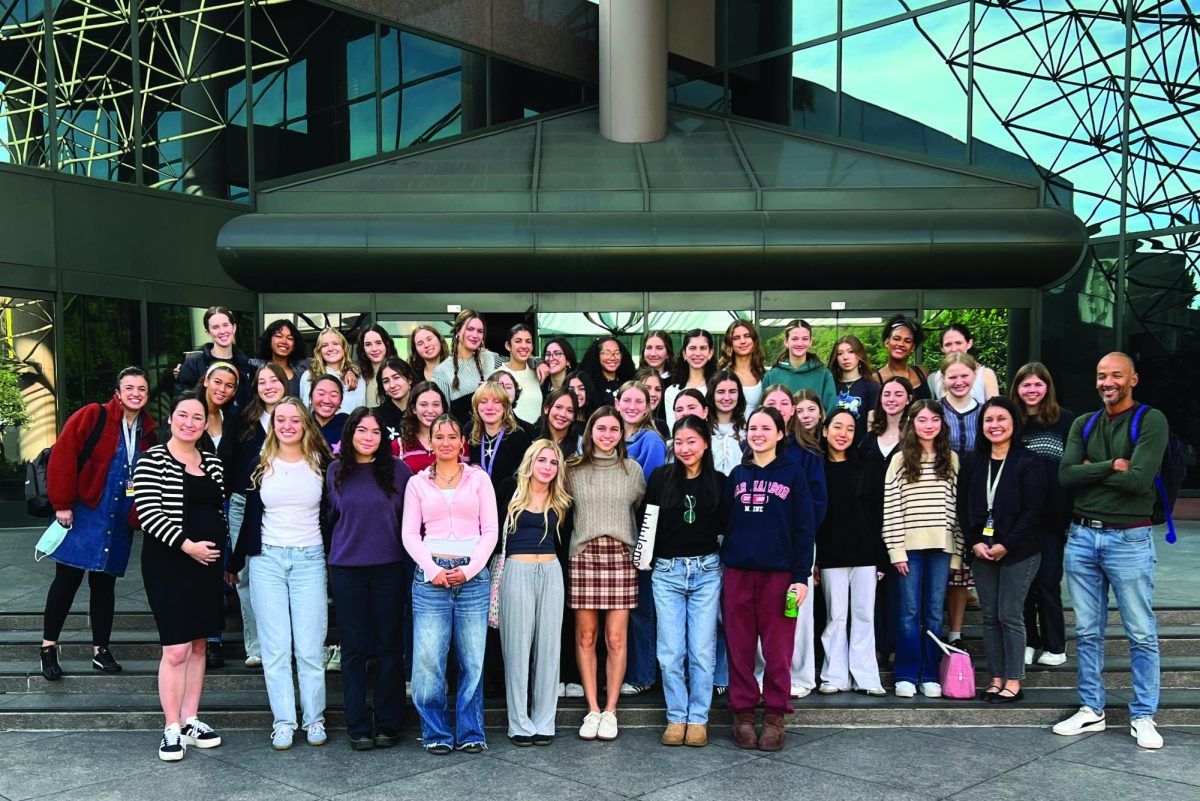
1181 616
248 709
1172 641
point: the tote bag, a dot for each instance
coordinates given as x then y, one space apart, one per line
956 673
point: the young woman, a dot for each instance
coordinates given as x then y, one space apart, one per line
923 539
558 421
326 400
767 553
727 416
798 368
691 401
416 439
609 364
586 394
450 531
375 346
901 337
220 327
532 594
332 358
658 353
506 382
696 363
90 489
282 346
654 383
742 354
469 364
962 424
957 339
606 487
857 391
560 359
1002 494
642 442
282 543
179 494
850 557
364 492
497 441
687 507
426 350
393 384
807 420
520 349
1044 427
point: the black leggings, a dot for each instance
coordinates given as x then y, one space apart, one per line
62 594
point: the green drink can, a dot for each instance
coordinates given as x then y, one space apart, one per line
791 605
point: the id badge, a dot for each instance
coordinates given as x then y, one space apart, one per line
128 490
989 528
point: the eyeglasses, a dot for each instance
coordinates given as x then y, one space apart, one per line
689 509
610 354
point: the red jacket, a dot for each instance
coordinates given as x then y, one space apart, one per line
66 486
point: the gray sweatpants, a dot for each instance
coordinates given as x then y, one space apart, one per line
531 611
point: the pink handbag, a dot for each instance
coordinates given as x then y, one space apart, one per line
956 674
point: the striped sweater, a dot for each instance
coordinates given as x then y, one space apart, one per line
921 514
158 492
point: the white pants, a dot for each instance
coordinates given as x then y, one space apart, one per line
804 668
850 591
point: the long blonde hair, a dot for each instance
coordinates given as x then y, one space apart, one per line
312 444
319 367
493 390
557 499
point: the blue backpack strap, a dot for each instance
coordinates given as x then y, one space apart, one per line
1087 427
1136 425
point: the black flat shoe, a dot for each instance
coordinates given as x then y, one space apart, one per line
1007 697
51 670
521 740
543 739
362 742
104 662
439 749
986 694
386 739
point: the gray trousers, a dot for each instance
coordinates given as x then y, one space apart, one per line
531 612
1002 587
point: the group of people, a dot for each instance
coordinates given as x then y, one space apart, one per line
582 527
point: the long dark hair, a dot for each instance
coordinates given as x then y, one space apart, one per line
414 358
708 499
400 366
410 426
460 322
299 352
543 425
738 416
383 466
878 423
1049 411
1007 405
910 445
568 354
681 370
360 351
587 454
728 359
589 387
668 360
255 408
591 361
777 418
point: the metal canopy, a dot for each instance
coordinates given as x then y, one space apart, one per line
717 204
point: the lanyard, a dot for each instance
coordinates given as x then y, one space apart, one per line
484 461
130 434
992 483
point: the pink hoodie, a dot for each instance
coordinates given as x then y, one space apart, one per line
472 513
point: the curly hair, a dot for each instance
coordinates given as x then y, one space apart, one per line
382 464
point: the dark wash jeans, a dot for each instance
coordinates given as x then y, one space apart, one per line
369 614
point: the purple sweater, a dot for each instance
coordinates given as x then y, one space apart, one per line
365 522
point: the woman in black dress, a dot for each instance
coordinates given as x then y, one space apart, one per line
179 493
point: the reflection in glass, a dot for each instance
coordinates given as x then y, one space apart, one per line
101 336
22 84
27 361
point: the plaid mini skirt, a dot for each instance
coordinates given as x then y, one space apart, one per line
603 576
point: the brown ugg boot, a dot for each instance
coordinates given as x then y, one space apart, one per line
674 734
772 733
744 735
697 735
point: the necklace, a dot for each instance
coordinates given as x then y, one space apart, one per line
447 481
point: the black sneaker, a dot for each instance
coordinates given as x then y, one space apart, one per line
473 748
439 749
172 748
386 739
521 740
51 670
361 742
214 656
200 734
104 662
543 739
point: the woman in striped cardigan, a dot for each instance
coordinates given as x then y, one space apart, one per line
923 540
179 493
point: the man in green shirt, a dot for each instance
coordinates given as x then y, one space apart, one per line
1110 544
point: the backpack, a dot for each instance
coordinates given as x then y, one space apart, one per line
37 488
1170 475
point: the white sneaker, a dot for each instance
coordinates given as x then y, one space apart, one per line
574 690
905 689
1052 660
562 690
1029 654
876 691
800 692
1082 722
608 726
828 688
1146 732
281 738
254 661
591 725
931 689
315 732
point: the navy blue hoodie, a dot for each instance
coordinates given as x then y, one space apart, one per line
771 522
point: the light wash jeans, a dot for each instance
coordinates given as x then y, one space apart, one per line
237 511
290 582
1123 559
441 615
687 592
922 601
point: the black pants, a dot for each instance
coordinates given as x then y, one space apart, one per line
367 612
62 594
1044 626
887 611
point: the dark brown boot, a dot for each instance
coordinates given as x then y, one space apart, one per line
772 732
744 735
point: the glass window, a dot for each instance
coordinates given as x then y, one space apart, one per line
518 92
866 325
862 12
174 332
797 89
997 345
428 110
22 83
101 336
751 27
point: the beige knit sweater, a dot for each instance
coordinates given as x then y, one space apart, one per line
921 514
605 496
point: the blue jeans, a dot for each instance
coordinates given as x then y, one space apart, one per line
922 597
440 615
642 630
289 583
687 592
1123 559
